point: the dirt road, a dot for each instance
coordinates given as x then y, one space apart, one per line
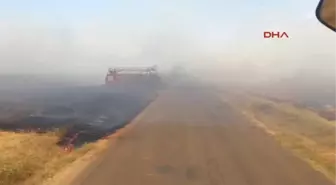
188 136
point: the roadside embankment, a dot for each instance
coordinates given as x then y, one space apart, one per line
27 155
303 131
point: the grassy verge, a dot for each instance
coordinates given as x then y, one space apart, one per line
31 157
309 136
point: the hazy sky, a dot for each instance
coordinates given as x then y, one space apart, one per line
63 36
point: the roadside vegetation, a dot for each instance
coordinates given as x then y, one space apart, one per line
303 131
29 158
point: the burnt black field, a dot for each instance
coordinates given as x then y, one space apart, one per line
88 112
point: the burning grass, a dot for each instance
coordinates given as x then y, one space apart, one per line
30 157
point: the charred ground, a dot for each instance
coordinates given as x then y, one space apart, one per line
81 114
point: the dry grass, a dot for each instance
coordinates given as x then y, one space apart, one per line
26 156
308 135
